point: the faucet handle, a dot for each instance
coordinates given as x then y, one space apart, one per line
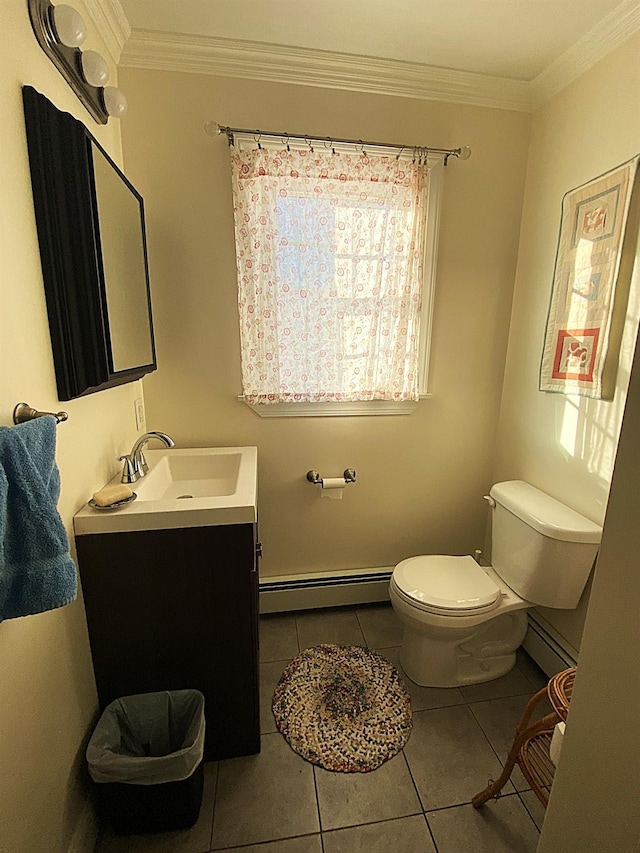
142 462
129 474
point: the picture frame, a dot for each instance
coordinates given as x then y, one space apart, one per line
592 276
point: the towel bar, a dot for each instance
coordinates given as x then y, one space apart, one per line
24 412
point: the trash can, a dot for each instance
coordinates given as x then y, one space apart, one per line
145 756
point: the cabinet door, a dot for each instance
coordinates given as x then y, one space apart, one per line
172 609
91 233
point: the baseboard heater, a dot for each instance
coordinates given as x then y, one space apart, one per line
549 650
324 589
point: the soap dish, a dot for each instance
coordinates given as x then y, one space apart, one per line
115 505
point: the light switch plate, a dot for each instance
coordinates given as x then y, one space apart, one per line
140 416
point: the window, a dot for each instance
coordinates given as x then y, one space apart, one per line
335 252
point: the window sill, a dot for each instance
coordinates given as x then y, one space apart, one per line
334 410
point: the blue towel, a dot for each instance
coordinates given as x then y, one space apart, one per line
36 569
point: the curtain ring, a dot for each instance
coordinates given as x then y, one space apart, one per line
285 142
308 141
361 149
399 154
330 144
257 136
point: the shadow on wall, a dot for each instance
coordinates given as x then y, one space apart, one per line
586 429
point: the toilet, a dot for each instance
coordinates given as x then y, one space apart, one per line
463 622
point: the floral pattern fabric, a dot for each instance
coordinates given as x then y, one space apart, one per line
329 250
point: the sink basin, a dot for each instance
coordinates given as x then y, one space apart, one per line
181 475
190 487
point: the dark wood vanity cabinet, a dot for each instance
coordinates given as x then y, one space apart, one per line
173 609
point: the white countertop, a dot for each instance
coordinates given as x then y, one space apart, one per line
204 472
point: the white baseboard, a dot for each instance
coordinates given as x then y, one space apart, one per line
551 653
307 591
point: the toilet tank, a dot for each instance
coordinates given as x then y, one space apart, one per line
542 549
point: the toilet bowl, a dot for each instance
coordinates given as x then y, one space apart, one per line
463 622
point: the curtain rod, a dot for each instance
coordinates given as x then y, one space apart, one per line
213 127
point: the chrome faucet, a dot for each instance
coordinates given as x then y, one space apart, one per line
135 465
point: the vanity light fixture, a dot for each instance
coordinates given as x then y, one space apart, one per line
114 101
60 31
69 26
94 69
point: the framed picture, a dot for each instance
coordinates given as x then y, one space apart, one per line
591 280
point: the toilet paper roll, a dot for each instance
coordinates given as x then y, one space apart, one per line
332 487
556 742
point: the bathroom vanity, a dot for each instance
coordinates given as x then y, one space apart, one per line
170 584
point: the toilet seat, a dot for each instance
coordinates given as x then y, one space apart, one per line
445 585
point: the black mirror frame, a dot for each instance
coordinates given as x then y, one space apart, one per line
61 164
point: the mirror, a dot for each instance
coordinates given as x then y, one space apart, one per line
124 264
91 232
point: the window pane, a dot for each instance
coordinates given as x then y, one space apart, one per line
329 250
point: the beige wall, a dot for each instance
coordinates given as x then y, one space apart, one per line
421 477
46 679
596 790
566 445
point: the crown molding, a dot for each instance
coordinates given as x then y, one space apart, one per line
608 34
111 22
280 64
167 51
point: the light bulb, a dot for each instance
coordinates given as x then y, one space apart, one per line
115 102
465 152
94 69
69 26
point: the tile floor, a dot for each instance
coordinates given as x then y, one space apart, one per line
418 802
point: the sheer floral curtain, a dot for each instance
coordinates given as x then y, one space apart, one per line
330 250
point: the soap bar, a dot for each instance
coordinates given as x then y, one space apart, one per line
112 494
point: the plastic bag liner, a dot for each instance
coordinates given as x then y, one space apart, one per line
148 738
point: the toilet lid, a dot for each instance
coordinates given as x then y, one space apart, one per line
453 584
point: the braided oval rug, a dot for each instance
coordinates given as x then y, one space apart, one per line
344 708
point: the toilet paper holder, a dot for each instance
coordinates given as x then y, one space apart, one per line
314 477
